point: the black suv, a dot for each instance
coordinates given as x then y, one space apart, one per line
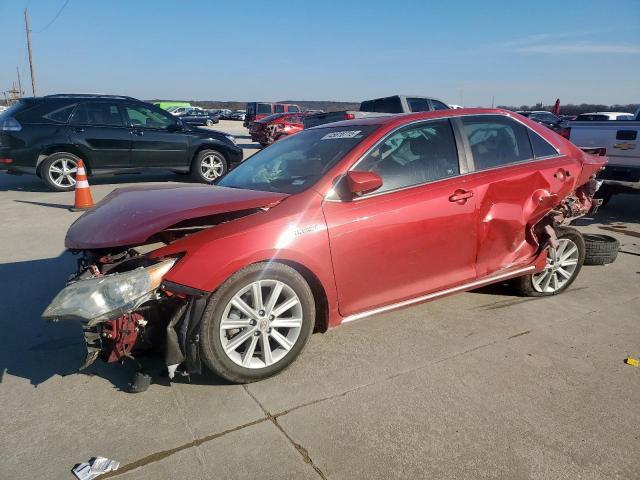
48 135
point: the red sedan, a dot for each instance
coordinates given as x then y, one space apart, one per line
334 224
276 127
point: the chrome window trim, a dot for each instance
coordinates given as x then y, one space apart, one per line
465 163
439 293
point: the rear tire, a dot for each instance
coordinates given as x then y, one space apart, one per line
58 171
563 266
208 166
265 302
600 249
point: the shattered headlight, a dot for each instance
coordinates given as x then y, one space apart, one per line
106 297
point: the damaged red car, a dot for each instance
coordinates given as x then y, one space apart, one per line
331 225
276 127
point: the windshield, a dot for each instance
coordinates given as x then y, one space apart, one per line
12 109
295 163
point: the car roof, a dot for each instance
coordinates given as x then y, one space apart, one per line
400 118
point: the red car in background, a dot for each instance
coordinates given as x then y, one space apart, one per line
260 110
334 224
275 127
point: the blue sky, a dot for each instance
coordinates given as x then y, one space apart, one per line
458 51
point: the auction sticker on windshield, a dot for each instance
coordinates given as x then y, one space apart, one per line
343 134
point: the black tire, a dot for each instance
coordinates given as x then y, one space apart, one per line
600 249
525 285
52 179
211 347
197 173
209 123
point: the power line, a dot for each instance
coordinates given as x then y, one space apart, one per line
54 18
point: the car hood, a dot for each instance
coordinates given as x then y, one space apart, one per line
130 216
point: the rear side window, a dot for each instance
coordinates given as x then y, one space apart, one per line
94 113
61 115
414 155
387 105
418 104
496 141
541 148
437 105
264 108
279 108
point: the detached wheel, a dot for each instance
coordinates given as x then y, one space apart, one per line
601 249
257 323
563 266
58 171
208 165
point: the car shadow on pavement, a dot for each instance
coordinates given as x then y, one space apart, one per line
37 350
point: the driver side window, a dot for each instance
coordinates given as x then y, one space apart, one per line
414 155
139 116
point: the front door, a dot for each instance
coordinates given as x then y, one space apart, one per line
414 235
98 129
154 144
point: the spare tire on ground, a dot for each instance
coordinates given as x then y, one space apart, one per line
600 249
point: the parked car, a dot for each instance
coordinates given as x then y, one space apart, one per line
619 138
331 225
179 111
200 117
276 127
47 136
545 118
259 110
604 116
238 115
378 107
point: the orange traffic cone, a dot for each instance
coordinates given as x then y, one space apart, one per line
83 199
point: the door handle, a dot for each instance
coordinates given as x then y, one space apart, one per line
461 196
138 133
78 130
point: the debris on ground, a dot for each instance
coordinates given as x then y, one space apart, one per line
634 362
96 466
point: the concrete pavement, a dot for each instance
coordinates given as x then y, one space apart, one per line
479 385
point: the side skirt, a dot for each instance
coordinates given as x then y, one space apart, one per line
442 293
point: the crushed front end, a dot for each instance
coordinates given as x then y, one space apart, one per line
126 309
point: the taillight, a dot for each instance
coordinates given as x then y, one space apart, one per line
349 116
6 161
565 132
10 124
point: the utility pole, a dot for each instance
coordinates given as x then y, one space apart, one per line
19 82
26 23
493 101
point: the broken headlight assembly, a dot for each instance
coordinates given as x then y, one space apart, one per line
103 297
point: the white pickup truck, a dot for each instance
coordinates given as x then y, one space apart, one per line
621 140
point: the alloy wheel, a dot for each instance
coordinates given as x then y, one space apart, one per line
261 324
62 172
560 268
211 167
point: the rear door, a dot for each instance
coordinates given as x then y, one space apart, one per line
154 144
98 128
516 175
414 235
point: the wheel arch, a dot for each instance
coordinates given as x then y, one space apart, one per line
61 147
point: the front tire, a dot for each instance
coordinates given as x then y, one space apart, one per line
563 266
209 123
257 323
208 166
58 171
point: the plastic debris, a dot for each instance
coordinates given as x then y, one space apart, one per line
96 466
634 362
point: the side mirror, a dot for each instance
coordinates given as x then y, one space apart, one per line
176 127
355 183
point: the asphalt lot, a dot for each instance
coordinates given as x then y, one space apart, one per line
479 385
